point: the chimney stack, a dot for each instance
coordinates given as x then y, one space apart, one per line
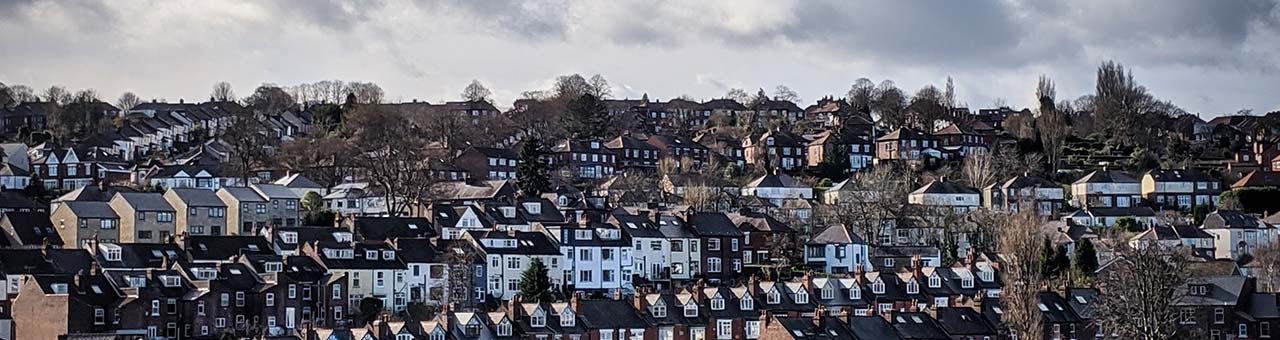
639 302
573 303
819 316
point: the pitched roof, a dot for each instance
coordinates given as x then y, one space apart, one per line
774 181
198 197
146 201
837 234
91 209
296 180
31 228
712 224
1106 176
941 187
274 191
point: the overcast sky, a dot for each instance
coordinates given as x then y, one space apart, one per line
1207 56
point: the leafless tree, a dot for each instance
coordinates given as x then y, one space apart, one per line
1019 242
270 100
1141 293
738 95
366 93
1267 256
571 86
222 92
980 170
784 93
949 94
322 157
599 87
890 104
862 95
127 101
249 143
875 199
476 92
461 258
926 108
394 155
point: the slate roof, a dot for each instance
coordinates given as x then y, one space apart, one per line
274 191
1106 176
146 201
963 321
30 228
91 209
904 133
941 187
774 181
1231 219
917 325
198 197
243 194
383 228
1223 291
17 201
296 180
872 328
713 225
527 243
222 248
609 314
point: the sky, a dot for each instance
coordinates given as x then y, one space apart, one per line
1209 57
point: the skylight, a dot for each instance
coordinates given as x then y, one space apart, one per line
1081 300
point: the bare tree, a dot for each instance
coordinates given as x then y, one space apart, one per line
949 94
461 258
127 101
926 108
476 92
980 170
738 95
1267 256
270 100
1142 292
571 86
394 155
249 143
599 87
862 95
1019 242
890 104
366 93
322 157
784 93
873 203
222 92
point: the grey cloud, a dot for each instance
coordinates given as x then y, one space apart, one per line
536 20
339 15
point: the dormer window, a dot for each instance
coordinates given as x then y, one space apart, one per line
747 303
987 276
935 281
690 310
566 318
828 293
536 208
289 237
855 293
774 297
272 267
538 319
802 297
1199 290
659 311
371 254
966 282
913 287
437 334
584 234
717 304
388 255
508 212
877 287
504 328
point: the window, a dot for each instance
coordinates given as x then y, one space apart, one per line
538 319
584 276
606 334
606 254
855 293
733 244
935 281
141 216
584 254
437 335
746 303
888 262
690 310
200 308
566 318
164 217
155 307
260 208
337 312
659 311
713 265
877 287
1187 316
220 323
802 297
271 299
217 212
225 300
713 244
337 291
828 293
677 245
1244 331
1218 316
724 328
753 329
504 329
717 304
774 297
99 316
1264 330
239 299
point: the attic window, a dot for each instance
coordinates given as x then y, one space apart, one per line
171 280
1081 300
413 226
58 288
388 255
690 310
1042 307
371 254
235 271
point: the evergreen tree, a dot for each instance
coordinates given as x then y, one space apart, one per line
587 117
1086 261
1061 261
835 164
1048 254
535 285
312 201
531 172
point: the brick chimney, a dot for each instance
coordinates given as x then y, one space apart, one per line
697 290
819 316
764 319
514 309
573 303
639 302
753 285
617 294
917 267
860 275
806 281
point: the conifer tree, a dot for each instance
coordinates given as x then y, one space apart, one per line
531 174
535 285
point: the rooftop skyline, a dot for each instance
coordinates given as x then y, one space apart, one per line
1207 57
